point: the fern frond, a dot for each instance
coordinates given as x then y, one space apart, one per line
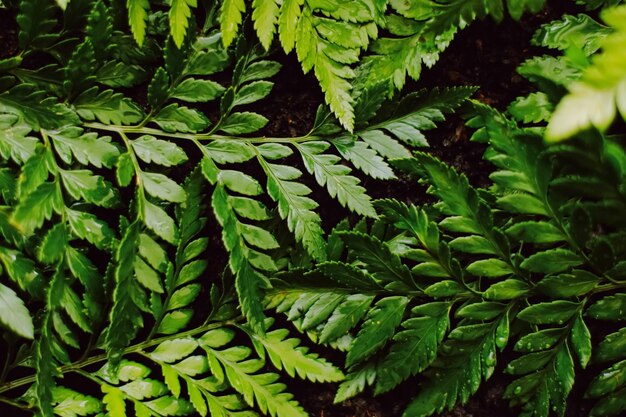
233 364
125 318
286 354
137 18
245 262
179 15
295 206
230 19
335 177
414 348
378 328
36 20
265 17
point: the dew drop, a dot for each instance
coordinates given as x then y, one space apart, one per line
517 390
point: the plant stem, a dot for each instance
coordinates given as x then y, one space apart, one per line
16 404
76 366
195 136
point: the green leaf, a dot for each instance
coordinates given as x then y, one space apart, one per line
365 159
137 17
265 16
534 108
230 19
535 232
125 169
36 21
229 152
261 69
249 208
53 245
179 14
568 285
608 381
14 142
240 182
71 403
580 30
99 30
581 341
522 203
184 296
378 328
349 276
175 118
13 313
445 288
153 253
259 237
490 268
611 308
92 188
245 122
160 186
125 317
159 221
78 73
380 261
288 22
37 207
506 290
473 244
108 107
286 354
119 74
252 92
174 350
485 310
328 172
87 148
147 276
158 89
174 321
345 317
557 312
195 90
295 207
37 109
152 150
414 348
551 261
144 389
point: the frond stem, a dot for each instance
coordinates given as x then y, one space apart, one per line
196 136
77 366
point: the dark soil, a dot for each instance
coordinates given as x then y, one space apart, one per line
8 34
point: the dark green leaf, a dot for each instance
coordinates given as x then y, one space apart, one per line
557 312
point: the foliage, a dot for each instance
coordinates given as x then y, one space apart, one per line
128 137
592 99
330 37
441 290
108 152
532 265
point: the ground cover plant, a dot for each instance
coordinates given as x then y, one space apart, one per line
163 254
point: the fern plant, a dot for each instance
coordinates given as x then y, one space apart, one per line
113 158
442 290
355 45
530 267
